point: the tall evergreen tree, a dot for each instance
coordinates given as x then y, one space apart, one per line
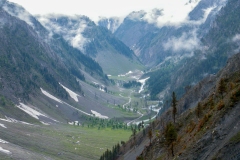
170 135
174 106
134 133
222 87
150 135
198 109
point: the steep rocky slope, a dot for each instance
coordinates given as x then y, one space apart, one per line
207 124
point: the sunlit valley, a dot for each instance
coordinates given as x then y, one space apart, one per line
153 85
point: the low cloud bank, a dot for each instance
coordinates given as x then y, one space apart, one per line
187 42
19 12
70 27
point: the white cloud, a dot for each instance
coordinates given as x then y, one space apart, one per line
205 16
236 38
19 12
91 8
71 30
173 10
176 13
168 17
187 42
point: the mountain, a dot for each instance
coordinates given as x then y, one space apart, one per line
207 124
155 38
43 78
95 41
219 45
179 49
56 101
111 24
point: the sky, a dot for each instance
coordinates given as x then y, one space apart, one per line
105 8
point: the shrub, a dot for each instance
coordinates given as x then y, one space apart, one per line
203 121
220 105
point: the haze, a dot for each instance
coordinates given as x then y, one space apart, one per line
106 8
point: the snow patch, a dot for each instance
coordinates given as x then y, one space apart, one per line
72 94
12 120
30 111
123 75
129 72
143 82
95 83
99 115
74 123
4 151
101 89
2 141
56 99
2 125
6 120
50 96
47 124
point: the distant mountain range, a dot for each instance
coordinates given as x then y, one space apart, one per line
92 40
182 54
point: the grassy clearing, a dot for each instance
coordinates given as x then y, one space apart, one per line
115 63
63 141
91 143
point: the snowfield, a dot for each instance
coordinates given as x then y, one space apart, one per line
72 94
2 125
2 141
11 120
4 150
35 114
142 81
99 115
50 96
30 111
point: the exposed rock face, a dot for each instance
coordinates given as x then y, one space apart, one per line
212 135
216 142
205 87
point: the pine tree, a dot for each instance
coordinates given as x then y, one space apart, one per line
150 135
174 106
134 133
198 109
170 135
222 87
